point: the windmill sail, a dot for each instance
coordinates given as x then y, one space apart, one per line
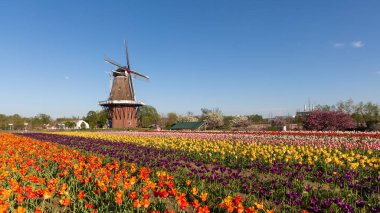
121 105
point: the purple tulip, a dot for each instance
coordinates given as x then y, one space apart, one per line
360 203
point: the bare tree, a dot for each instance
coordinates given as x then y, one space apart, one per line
189 117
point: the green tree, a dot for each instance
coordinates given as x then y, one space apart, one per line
3 121
171 119
96 119
346 106
69 124
102 118
45 119
256 118
91 118
17 121
299 119
367 115
227 122
147 116
82 125
41 120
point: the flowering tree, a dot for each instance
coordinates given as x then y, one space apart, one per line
240 122
213 118
328 120
189 117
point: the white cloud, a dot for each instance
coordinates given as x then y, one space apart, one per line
337 45
357 44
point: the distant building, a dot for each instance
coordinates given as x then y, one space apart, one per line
81 123
188 126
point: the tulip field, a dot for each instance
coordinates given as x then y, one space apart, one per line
190 172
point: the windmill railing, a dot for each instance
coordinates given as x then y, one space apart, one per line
121 102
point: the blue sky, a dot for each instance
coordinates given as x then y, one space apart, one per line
244 57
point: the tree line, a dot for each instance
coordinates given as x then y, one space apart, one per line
96 119
147 116
18 122
345 115
214 119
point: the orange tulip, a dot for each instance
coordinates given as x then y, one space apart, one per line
136 204
132 195
145 203
81 195
204 196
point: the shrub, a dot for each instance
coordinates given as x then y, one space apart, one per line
328 120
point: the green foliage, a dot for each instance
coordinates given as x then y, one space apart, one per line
273 128
16 120
37 122
96 119
91 119
168 121
172 118
3 121
102 119
227 122
69 124
40 121
147 115
365 115
346 106
299 119
256 118
82 125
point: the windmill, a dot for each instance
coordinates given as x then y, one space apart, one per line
121 105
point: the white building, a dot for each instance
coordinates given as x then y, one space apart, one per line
78 124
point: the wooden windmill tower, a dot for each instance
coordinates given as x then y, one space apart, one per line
121 105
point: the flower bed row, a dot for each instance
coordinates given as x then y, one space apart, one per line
237 154
283 186
288 133
316 139
39 176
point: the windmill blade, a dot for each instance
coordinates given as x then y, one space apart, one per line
110 61
126 54
109 73
131 86
136 73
